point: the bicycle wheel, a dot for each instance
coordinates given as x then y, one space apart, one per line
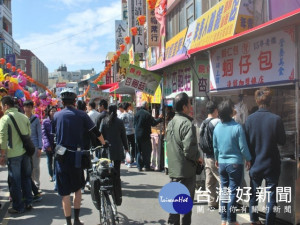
106 213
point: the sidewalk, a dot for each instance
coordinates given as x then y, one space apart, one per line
140 203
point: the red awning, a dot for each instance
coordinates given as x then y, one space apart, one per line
107 86
291 18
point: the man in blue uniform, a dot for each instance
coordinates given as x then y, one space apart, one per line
69 126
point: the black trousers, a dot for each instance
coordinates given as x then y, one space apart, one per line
186 219
144 150
131 143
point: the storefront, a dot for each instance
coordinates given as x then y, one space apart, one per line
266 56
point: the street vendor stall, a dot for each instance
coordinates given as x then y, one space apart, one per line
238 69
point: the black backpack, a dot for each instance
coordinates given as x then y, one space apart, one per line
206 137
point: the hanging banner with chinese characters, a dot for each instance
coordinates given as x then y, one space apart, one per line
135 9
259 61
245 18
153 29
142 79
216 24
174 46
177 79
120 32
124 10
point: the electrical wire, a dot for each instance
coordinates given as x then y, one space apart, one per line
73 35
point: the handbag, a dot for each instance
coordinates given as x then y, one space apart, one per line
26 139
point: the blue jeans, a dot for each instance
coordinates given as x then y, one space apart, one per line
231 177
19 173
271 184
50 164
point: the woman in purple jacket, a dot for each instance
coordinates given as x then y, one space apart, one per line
48 140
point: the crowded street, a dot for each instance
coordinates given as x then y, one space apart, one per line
137 112
140 195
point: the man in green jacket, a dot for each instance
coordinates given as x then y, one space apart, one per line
182 151
12 150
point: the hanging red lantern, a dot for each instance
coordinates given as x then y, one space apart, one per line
151 4
122 47
13 68
127 40
18 70
118 53
115 58
2 61
8 65
134 31
141 19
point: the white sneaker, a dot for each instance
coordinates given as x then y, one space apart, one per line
82 191
129 165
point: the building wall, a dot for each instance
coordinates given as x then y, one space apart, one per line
33 66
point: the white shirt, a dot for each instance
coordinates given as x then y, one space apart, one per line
93 114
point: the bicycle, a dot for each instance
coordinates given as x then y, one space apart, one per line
102 187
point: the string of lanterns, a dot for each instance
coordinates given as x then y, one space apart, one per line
28 78
134 30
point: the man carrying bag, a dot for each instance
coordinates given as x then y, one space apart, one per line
13 151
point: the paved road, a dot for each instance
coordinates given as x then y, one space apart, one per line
140 203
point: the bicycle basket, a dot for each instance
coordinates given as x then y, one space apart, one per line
95 187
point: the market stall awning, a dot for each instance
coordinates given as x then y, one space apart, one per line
120 88
291 18
169 62
107 86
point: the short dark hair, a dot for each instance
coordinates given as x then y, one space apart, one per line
8 100
81 105
103 103
226 110
28 103
211 106
181 100
92 104
121 105
126 105
263 96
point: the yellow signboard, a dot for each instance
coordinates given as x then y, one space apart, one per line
216 24
175 44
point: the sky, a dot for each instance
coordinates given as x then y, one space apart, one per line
78 33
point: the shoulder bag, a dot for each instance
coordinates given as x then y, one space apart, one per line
26 139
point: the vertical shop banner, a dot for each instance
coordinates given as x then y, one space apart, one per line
259 61
135 9
131 55
177 79
245 20
142 80
175 45
124 10
108 77
120 32
216 24
201 80
153 32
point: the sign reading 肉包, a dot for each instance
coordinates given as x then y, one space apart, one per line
142 79
259 61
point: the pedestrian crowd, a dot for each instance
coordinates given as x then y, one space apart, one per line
60 135
227 145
